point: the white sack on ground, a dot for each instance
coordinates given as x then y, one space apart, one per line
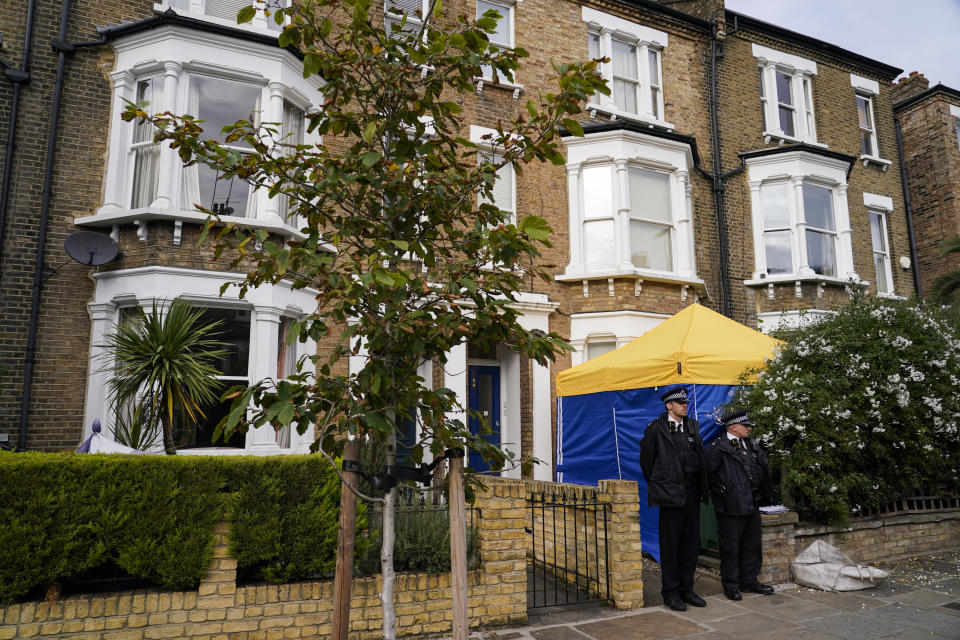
823 566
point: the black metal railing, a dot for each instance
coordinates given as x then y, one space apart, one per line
567 559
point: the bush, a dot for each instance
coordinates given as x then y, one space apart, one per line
862 407
154 517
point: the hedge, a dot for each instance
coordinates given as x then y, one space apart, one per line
154 517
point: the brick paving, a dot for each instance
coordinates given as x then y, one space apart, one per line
921 599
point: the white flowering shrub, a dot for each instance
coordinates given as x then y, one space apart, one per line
862 407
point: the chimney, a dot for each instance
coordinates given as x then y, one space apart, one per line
910 86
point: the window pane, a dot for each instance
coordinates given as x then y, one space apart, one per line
784 90
777 250
880 261
786 120
776 212
818 207
595 349
599 246
763 100
146 172
146 90
502 35
234 329
593 46
650 246
226 9
866 143
223 102
876 231
863 112
655 101
624 60
597 192
649 194
654 68
223 197
821 252
502 192
625 96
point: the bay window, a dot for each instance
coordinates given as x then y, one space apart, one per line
630 205
634 73
800 215
146 153
786 94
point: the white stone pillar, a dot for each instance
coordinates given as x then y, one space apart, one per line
269 208
770 92
799 224
800 107
759 249
683 191
845 266
168 182
542 431
510 404
575 219
645 105
263 364
606 51
103 318
115 196
621 216
455 379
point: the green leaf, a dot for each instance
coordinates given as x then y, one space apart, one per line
369 132
370 158
246 14
535 227
403 245
312 64
573 127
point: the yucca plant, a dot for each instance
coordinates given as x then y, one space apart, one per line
163 365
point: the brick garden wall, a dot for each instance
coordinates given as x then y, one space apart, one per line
865 540
222 610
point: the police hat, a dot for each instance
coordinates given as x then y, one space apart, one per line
736 417
676 394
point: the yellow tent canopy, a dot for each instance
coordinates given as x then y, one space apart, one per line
695 346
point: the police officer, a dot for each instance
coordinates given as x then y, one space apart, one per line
671 457
739 479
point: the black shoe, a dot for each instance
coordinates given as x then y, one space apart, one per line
692 599
732 594
757 587
674 602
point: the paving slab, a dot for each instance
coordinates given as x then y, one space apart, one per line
558 633
755 625
917 634
853 626
717 608
950 585
842 600
923 619
924 599
655 625
784 606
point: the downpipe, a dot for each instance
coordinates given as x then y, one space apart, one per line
909 208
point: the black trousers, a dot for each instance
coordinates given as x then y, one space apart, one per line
679 544
741 550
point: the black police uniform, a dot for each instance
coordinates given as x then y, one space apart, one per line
738 475
672 464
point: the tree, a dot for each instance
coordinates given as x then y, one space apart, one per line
406 266
162 370
861 407
946 288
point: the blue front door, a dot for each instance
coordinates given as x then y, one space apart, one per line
484 398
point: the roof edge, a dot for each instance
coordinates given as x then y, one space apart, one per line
926 93
636 127
820 151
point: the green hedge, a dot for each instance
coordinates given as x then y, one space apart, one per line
154 516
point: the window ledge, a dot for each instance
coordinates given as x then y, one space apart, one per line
127 216
796 277
877 160
482 82
782 137
593 108
891 296
640 274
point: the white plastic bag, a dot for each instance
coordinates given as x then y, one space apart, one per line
823 566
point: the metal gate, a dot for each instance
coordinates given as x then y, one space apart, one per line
567 560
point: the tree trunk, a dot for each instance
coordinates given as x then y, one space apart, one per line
343 576
458 549
168 444
386 565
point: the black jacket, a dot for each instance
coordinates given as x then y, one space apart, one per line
660 462
727 477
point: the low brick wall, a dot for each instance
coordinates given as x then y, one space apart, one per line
864 540
222 611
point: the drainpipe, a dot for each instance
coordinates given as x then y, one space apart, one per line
906 202
19 77
718 178
63 49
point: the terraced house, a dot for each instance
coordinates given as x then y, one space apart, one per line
735 163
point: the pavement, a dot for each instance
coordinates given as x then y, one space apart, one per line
920 599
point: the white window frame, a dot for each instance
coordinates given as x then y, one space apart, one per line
796 168
413 21
649 94
618 150
800 72
869 90
507 10
882 206
487 150
197 9
146 286
174 54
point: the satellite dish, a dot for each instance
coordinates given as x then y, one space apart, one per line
90 248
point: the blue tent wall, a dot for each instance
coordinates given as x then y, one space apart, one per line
599 438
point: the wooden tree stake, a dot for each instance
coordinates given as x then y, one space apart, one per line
343 576
458 548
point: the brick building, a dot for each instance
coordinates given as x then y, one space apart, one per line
735 163
929 119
